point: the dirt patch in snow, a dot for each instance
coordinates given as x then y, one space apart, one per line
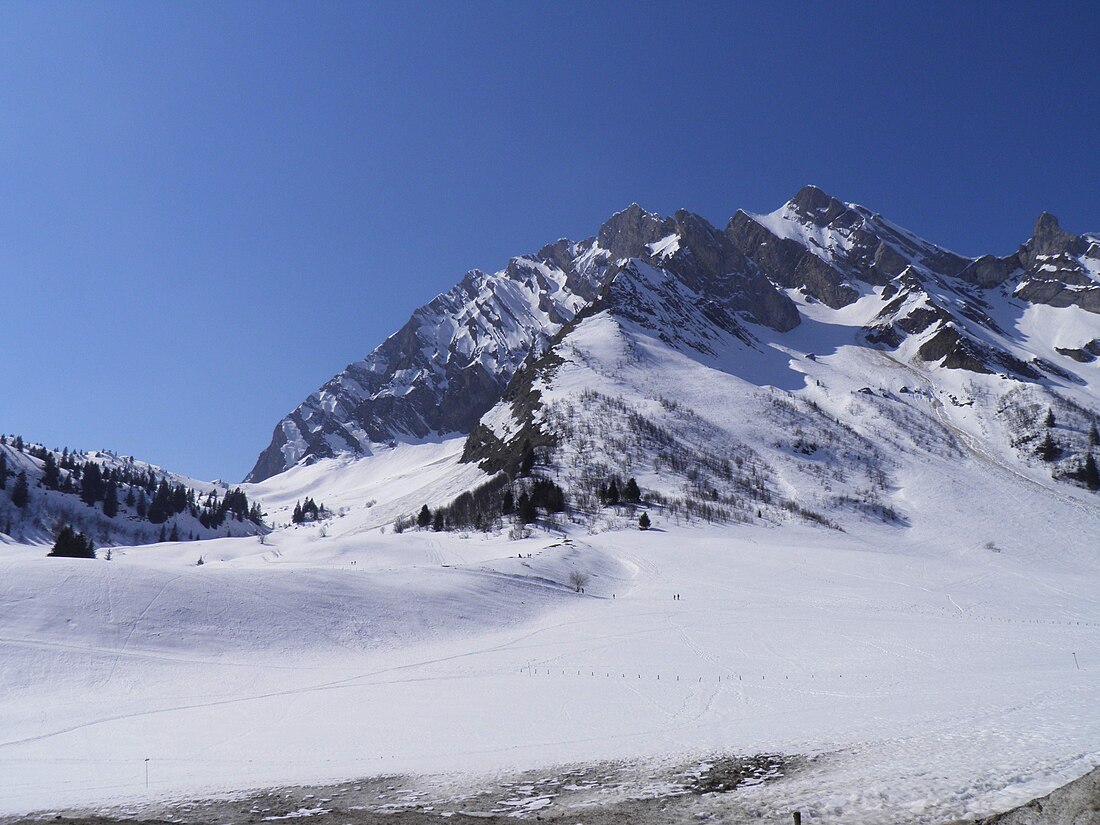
718 790
612 793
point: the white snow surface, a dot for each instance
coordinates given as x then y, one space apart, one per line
934 674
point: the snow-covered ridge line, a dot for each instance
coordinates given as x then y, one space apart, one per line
457 354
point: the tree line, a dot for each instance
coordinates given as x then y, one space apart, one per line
148 496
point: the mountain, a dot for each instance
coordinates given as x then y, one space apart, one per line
454 358
792 364
112 499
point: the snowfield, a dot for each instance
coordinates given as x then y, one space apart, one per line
935 677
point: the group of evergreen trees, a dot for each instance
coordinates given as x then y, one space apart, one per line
1087 473
20 491
1048 449
611 496
309 511
150 497
72 545
490 504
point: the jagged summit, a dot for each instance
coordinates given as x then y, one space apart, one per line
1050 239
691 281
626 232
817 206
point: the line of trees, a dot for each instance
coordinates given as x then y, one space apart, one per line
488 505
521 500
148 496
308 511
73 545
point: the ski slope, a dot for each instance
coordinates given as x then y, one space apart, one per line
932 676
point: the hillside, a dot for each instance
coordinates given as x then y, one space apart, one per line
112 499
842 342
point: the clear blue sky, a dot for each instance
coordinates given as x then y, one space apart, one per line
207 209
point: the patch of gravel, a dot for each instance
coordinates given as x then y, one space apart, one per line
609 793
716 790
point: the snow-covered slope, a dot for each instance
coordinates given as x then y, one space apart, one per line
929 676
446 366
815 274
454 358
72 488
667 380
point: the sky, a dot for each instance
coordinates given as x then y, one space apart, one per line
208 209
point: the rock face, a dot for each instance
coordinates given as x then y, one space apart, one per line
825 247
1077 803
450 362
455 357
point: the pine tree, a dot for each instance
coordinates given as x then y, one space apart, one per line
527 458
4 472
163 536
424 518
631 493
555 499
51 475
175 534
437 521
296 517
1049 421
159 507
20 493
310 510
643 521
507 503
130 500
1089 473
177 501
142 505
526 510
612 493
1094 436
1047 449
91 484
72 545
110 500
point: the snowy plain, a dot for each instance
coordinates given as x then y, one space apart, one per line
934 676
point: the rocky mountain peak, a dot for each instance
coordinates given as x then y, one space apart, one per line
695 285
626 233
1049 238
816 206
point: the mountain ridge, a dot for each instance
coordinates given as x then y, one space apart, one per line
454 358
